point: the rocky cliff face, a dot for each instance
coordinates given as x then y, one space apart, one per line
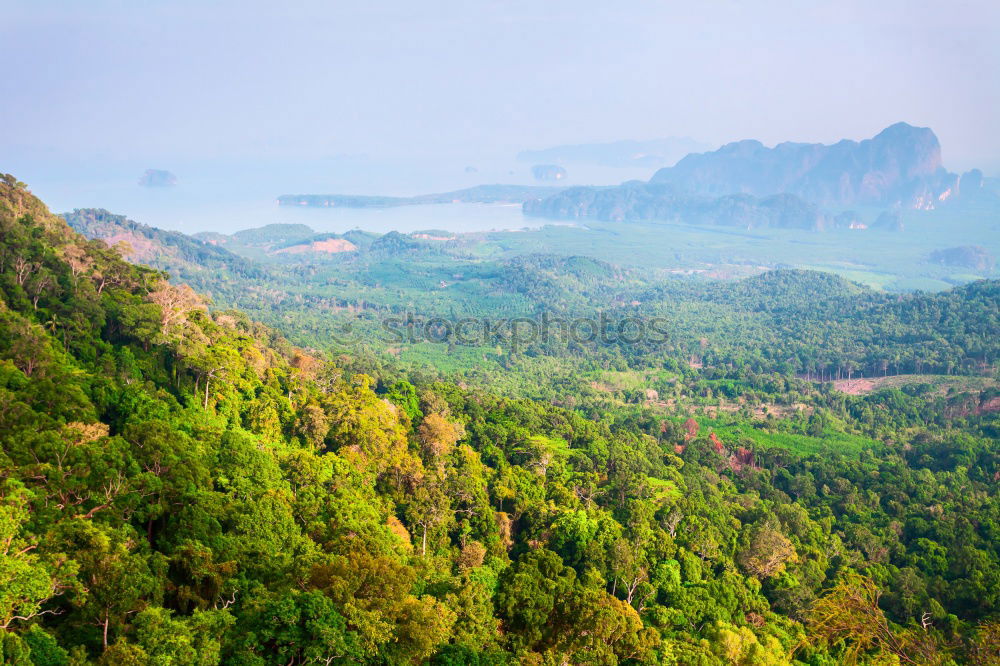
901 165
889 220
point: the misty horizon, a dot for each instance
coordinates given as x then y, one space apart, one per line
182 81
242 103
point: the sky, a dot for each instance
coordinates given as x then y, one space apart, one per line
156 81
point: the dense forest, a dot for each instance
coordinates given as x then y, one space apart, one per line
792 321
179 484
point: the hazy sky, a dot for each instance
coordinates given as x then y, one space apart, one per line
163 80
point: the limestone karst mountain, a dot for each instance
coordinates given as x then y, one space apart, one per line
900 165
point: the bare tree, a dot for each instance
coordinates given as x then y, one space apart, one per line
23 268
176 303
38 286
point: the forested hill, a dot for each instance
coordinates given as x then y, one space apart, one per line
181 486
820 324
189 259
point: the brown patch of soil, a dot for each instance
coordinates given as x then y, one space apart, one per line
143 249
855 386
329 246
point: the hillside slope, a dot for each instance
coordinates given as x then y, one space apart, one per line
185 257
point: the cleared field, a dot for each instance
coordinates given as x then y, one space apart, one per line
940 383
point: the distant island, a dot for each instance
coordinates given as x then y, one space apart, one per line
512 194
548 172
651 153
649 202
157 178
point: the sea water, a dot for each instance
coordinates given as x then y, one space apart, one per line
231 196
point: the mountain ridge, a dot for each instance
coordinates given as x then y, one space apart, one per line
187 257
793 185
901 165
